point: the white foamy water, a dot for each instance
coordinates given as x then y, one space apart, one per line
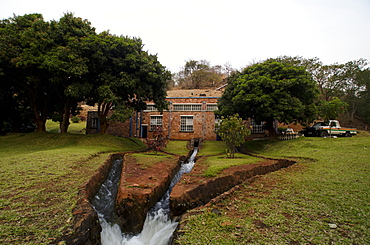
158 227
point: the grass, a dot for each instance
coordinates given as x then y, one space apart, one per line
328 187
211 148
177 147
216 164
148 159
74 128
215 156
216 159
322 199
39 177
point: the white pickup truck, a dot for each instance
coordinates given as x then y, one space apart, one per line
326 128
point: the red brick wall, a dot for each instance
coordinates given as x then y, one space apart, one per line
119 129
203 121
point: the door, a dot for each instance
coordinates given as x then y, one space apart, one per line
144 131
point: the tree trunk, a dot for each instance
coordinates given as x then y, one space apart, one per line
39 111
270 128
64 124
103 126
103 110
41 127
39 119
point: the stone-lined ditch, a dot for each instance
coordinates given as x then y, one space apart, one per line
133 203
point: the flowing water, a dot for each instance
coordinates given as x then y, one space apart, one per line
158 227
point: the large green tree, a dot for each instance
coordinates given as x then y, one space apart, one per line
126 76
364 95
328 110
353 85
24 43
15 114
271 91
68 63
326 76
346 82
54 65
46 64
200 74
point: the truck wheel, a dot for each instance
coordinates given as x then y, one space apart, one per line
324 134
348 134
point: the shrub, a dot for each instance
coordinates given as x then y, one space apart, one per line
158 142
75 119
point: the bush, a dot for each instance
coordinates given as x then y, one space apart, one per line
75 119
158 142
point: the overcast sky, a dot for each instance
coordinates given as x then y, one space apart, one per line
237 32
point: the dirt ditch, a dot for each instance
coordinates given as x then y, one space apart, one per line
196 190
140 188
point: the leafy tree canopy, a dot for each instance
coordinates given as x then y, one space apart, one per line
125 75
329 110
54 65
200 74
24 43
345 81
268 91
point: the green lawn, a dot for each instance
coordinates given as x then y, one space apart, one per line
220 162
323 199
211 148
39 177
74 128
215 156
149 159
177 147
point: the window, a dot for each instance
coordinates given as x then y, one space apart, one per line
212 107
186 123
187 107
257 128
151 108
155 121
217 122
94 122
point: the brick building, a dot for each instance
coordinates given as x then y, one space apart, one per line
190 115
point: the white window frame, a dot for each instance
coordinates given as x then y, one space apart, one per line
151 107
187 123
155 120
187 107
256 128
212 107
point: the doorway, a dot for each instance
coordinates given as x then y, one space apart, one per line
144 131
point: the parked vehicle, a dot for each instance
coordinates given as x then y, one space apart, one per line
328 128
289 131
